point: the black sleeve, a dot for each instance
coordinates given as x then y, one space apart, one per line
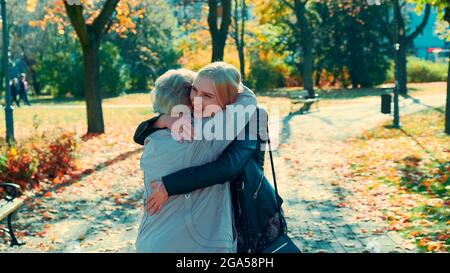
145 129
228 166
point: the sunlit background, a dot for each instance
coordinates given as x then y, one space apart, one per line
353 179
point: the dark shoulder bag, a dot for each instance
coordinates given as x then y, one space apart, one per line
283 244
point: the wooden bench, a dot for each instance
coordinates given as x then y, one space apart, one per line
9 205
301 97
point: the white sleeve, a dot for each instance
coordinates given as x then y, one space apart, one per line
219 131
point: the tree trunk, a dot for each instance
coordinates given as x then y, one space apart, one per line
239 33
36 83
242 44
318 74
354 63
307 47
404 41
402 71
92 89
400 40
90 37
354 72
447 104
242 62
308 67
219 34
218 48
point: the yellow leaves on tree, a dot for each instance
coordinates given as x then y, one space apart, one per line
55 14
126 12
31 5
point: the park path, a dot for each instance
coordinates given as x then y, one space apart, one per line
102 211
310 148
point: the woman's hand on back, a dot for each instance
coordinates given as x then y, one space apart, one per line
158 198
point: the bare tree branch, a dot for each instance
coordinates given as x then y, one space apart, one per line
75 13
100 24
243 19
226 17
235 30
212 16
422 25
400 23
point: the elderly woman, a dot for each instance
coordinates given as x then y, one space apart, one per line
201 221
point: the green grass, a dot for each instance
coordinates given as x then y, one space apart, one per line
38 120
135 98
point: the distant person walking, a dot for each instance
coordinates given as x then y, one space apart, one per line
13 88
23 89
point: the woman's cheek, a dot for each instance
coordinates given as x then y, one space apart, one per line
191 97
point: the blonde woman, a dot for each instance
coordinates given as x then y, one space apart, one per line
202 220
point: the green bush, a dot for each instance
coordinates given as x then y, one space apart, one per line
265 75
63 72
114 76
423 71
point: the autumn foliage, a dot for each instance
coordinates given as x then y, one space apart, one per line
405 175
47 160
57 159
17 167
126 13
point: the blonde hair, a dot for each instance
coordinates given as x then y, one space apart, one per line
171 89
226 80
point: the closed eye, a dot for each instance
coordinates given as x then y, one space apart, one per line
202 94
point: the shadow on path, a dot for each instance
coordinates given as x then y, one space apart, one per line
77 177
418 101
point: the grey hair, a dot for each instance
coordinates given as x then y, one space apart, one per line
171 89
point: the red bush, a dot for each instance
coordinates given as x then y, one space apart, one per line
46 160
57 159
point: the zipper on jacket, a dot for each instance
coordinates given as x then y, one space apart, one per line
255 195
239 208
237 198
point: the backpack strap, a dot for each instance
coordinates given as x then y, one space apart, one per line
275 183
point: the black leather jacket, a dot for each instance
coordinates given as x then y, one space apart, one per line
242 163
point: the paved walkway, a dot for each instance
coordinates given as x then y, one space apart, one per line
101 212
316 218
